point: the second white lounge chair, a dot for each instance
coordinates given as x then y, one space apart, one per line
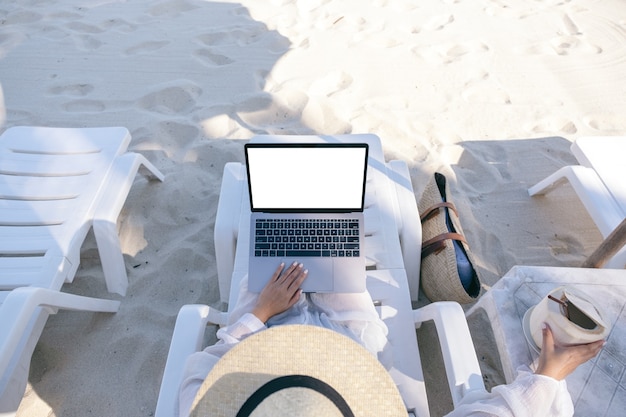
55 185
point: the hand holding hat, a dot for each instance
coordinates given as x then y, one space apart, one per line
558 361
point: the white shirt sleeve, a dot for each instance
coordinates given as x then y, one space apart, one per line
199 364
530 395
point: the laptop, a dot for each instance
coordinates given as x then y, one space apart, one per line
307 206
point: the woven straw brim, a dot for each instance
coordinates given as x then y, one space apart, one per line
299 350
439 275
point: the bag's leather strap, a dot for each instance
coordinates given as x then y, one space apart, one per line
437 244
433 210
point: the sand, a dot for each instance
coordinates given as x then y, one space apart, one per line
489 92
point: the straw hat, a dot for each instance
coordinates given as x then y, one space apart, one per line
298 370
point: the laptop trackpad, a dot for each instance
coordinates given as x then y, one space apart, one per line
320 277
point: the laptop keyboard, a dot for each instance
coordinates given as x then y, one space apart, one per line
297 237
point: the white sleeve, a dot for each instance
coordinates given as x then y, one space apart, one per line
530 395
199 364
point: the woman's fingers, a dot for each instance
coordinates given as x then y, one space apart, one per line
548 338
281 292
558 361
299 278
293 278
287 272
295 286
276 274
590 350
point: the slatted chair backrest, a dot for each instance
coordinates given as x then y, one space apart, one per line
50 183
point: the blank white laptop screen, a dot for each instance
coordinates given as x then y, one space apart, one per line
307 178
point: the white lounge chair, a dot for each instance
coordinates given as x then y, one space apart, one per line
393 241
55 185
598 182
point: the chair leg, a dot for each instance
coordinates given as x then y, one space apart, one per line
111 256
24 312
551 182
149 170
23 302
608 249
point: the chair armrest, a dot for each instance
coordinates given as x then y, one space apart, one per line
119 181
187 338
227 225
409 225
597 199
110 203
459 356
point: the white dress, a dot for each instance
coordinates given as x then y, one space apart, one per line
354 315
530 395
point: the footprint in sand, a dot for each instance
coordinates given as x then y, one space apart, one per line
88 43
21 17
84 106
438 22
146 47
64 16
458 50
516 10
78 90
348 24
503 11
84 28
212 59
568 45
171 99
171 8
605 122
569 42
486 94
53 32
243 37
178 138
552 125
8 41
18 116
84 35
560 45
218 38
565 245
119 25
480 88
447 53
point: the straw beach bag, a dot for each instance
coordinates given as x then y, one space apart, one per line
447 271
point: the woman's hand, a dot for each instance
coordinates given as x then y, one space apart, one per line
558 361
281 292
